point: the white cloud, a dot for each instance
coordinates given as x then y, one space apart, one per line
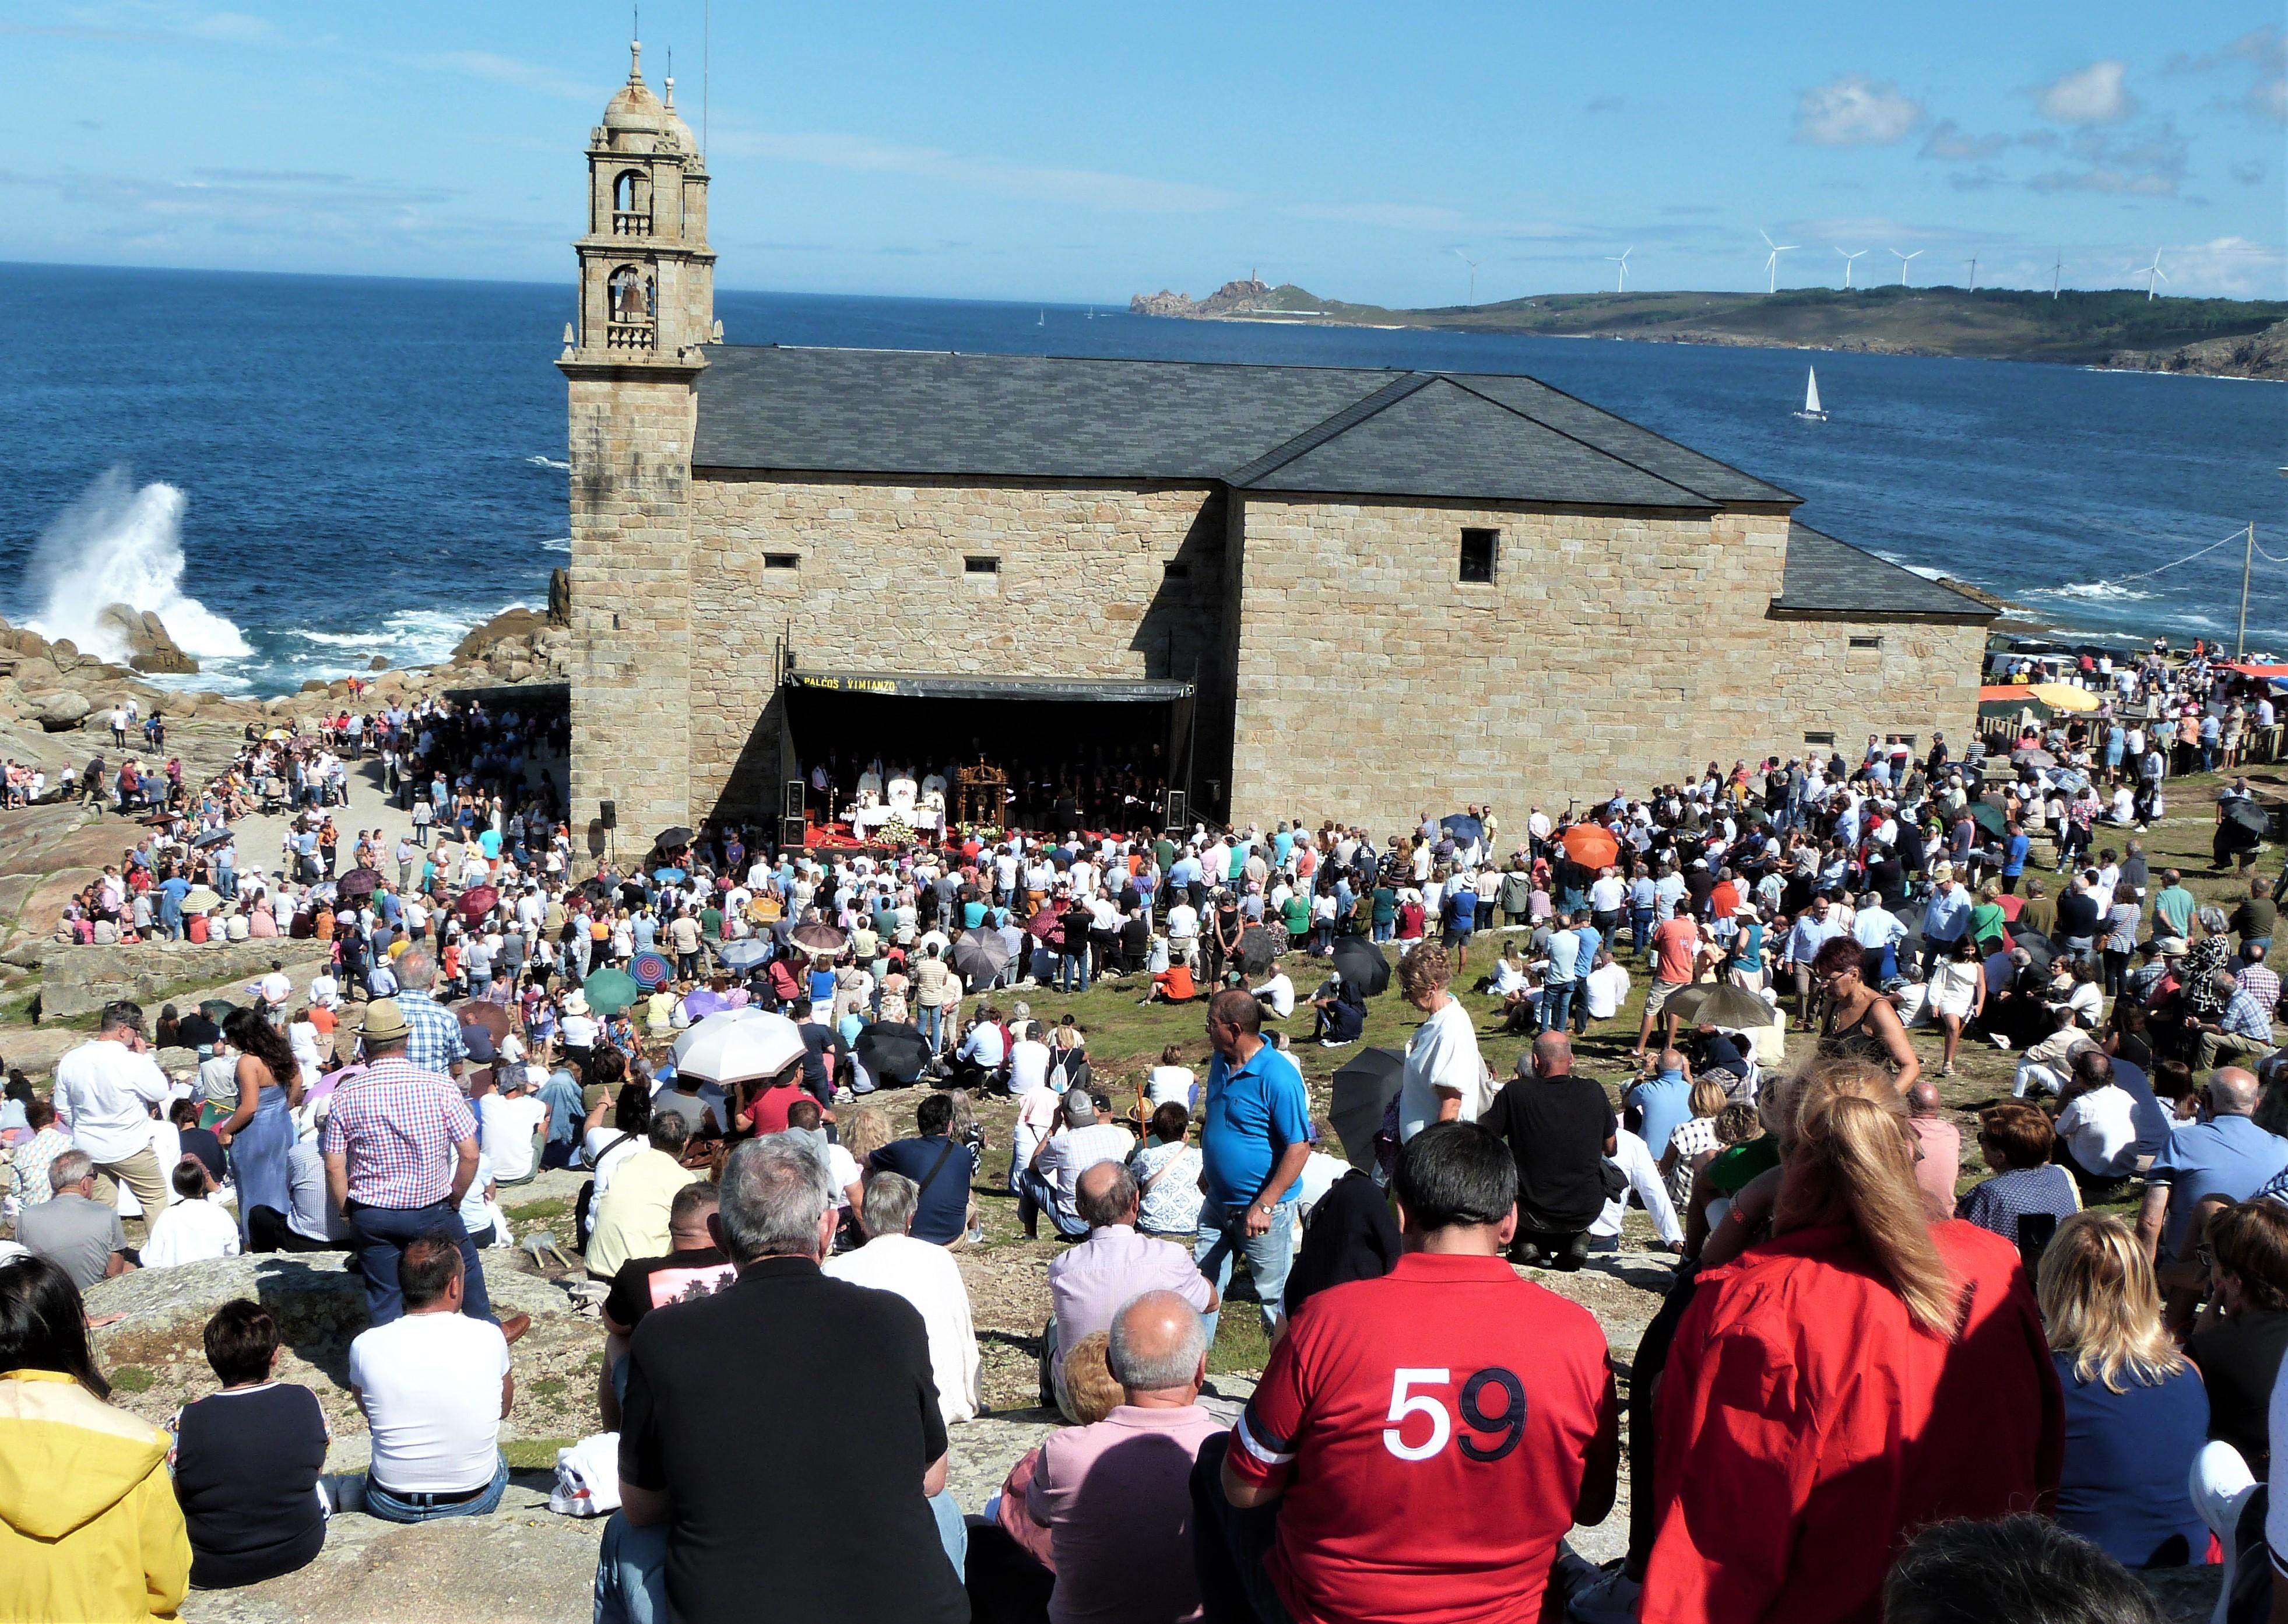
2233 267
524 75
1856 111
863 154
2150 163
2091 95
1389 217
231 26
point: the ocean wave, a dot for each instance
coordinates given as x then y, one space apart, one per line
410 637
1924 570
2107 591
552 463
117 544
558 543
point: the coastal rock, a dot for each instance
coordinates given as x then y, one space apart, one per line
512 623
61 712
380 662
150 646
2263 355
560 597
1239 294
80 981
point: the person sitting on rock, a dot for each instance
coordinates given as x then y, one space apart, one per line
434 1385
194 1228
248 1459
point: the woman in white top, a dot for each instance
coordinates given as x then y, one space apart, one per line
194 1229
1172 1080
1957 996
1445 1079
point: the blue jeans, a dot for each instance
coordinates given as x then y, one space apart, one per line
378 1235
632 1563
1035 1195
1640 929
1385 929
1556 1004
1269 1255
930 1018
423 1507
1072 971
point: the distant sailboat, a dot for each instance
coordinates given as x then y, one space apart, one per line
1812 412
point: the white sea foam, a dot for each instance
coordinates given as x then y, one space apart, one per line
1924 570
409 637
2107 592
117 544
558 543
550 462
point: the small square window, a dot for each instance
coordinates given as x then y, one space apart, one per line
782 560
1478 550
981 566
1866 642
1176 572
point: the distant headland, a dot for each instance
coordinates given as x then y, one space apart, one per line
2118 328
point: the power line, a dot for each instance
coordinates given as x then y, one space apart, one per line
2238 534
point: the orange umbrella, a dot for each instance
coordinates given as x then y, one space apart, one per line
1590 844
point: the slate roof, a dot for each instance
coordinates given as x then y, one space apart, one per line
1400 434
1827 575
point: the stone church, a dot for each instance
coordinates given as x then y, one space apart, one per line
1306 592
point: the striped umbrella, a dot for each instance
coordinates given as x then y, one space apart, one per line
651 970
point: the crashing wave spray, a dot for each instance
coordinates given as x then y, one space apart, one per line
119 545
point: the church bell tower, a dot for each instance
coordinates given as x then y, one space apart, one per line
632 362
647 274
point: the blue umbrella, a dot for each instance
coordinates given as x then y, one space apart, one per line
667 875
1466 830
744 955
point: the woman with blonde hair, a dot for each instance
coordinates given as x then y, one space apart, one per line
1445 1078
2136 1413
1862 1372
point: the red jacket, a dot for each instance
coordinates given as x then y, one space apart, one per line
1807 1427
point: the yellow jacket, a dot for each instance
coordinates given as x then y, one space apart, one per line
88 1527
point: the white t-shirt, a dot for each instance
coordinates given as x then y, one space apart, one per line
927 1277
579 1032
1443 1055
431 1385
605 1148
190 1232
1608 988
1028 1065
1167 1083
506 1127
103 1092
1279 993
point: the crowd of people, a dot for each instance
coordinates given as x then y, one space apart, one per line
1856 1392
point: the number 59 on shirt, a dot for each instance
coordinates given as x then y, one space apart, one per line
1507 1423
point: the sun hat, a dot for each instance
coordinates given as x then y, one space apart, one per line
576 1002
385 1021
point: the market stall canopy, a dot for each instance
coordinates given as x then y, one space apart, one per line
2064 697
947 685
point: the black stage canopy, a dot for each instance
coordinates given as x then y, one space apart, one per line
946 686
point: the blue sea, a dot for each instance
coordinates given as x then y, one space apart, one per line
302 473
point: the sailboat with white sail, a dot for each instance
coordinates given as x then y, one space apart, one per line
1812 411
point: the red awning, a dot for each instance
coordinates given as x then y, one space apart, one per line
2248 670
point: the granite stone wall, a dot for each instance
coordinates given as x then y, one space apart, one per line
873 575
1610 651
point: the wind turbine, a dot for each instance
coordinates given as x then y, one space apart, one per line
1902 262
1473 264
2154 272
1972 263
1772 261
2056 270
1621 259
1847 259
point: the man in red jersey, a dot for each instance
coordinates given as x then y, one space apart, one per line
1421 1443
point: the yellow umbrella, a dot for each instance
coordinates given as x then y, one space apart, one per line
2064 697
276 733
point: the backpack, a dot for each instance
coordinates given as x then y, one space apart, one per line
584 1204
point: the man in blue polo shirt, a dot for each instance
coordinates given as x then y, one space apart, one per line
1255 1136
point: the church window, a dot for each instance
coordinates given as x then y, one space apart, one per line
1866 642
782 560
981 566
1827 739
1478 550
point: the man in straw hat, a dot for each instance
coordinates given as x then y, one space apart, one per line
400 1146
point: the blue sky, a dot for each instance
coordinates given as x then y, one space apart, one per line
1085 152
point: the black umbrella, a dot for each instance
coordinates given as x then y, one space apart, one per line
979 958
1363 966
2038 947
671 839
1257 950
893 1052
1364 1086
2242 812
1911 916
212 836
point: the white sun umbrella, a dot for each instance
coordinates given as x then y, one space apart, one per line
737 1046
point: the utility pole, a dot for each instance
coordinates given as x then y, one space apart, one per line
2240 643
